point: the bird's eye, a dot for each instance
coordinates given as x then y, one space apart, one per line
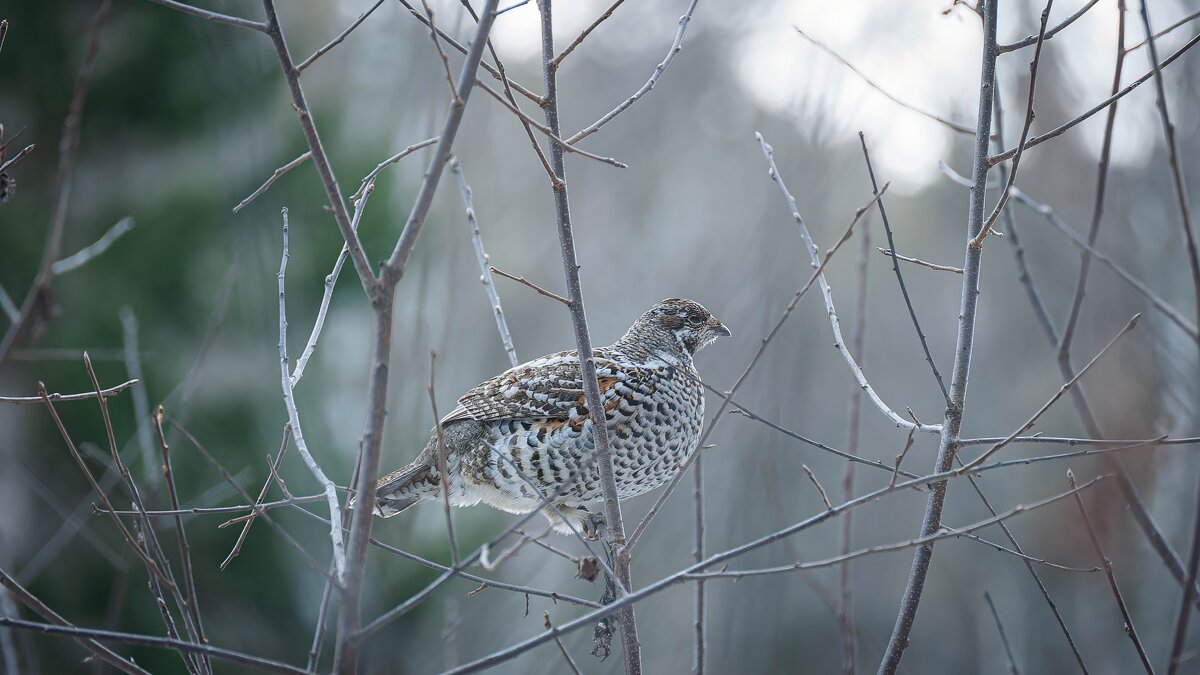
695 319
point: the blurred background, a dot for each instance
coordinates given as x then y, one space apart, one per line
185 118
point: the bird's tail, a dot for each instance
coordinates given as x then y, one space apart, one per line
402 488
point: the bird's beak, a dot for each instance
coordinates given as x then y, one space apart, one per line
720 329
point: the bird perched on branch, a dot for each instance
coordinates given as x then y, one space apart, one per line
523 440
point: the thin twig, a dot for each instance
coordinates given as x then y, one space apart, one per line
273 466
1057 395
338 40
182 646
492 70
369 180
816 483
192 599
84 396
443 470
1065 126
275 175
570 661
557 60
289 400
949 124
86 254
481 256
977 242
382 295
261 512
1068 331
569 146
858 339
68 146
943 533
1187 19
41 609
212 16
1033 39
661 68
839 342
1012 661
1112 580
508 653
332 191
614 528
433 34
917 261
912 313
530 284
727 396
963 350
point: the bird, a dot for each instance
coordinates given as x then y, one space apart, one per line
523 440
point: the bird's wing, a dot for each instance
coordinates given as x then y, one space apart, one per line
546 388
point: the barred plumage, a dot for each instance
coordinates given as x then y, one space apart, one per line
525 435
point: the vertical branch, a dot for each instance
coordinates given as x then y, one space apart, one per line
1112 583
185 550
441 460
700 645
335 531
857 349
912 313
1129 491
346 647
485 272
615 530
962 354
141 402
1012 662
68 145
1185 213
332 192
1068 332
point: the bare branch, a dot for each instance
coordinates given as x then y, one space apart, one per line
273 467
1112 581
212 16
41 609
338 40
332 192
182 646
1012 662
274 177
566 145
637 95
68 145
839 342
525 282
953 126
912 313
1057 395
84 396
963 350
289 400
977 242
85 255
917 261
554 63
441 459
1034 39
1062 128
481 256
